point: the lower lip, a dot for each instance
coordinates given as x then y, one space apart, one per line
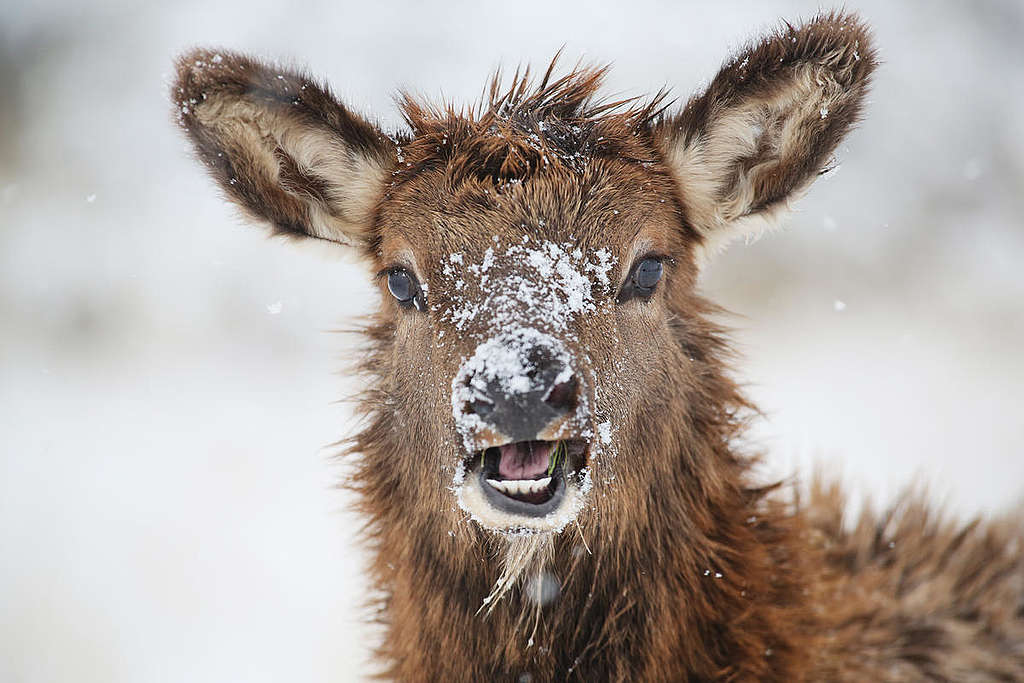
517 507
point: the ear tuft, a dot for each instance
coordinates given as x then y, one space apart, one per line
767 125
281 146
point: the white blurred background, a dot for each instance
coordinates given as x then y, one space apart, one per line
168 378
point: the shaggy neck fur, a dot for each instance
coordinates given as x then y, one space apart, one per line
697 578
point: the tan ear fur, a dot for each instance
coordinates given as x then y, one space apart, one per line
767 126
281 147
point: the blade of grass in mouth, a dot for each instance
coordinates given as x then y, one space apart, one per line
559 452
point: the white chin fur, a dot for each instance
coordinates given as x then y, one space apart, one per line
472 499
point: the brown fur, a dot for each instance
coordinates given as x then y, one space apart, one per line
681 567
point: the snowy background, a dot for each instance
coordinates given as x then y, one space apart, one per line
168 376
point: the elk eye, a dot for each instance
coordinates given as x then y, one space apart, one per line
647 273
642 279
404 288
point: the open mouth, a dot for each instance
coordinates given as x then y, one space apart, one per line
528 479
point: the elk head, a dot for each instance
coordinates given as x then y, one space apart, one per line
540 353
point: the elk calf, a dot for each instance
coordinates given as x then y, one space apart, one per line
550 468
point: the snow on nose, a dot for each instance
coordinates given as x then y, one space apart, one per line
522 300
507 384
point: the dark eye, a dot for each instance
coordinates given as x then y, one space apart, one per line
647 273
404 288
642 279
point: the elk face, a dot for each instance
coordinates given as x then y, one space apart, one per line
539 341
536 309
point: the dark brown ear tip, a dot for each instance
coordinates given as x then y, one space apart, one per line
838 41
842 36
188 68
203 68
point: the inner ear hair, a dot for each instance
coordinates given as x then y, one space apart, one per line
281 146
767 125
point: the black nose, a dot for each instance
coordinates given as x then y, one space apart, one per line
522 404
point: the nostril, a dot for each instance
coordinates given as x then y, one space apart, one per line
563 395
481 408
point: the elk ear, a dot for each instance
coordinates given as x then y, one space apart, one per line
767 126
281 147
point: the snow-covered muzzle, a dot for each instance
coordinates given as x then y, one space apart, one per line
524 418
522 401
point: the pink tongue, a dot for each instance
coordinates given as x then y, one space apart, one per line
524 460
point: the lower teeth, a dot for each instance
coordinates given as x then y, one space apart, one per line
520 487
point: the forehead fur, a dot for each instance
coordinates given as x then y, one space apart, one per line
516 131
